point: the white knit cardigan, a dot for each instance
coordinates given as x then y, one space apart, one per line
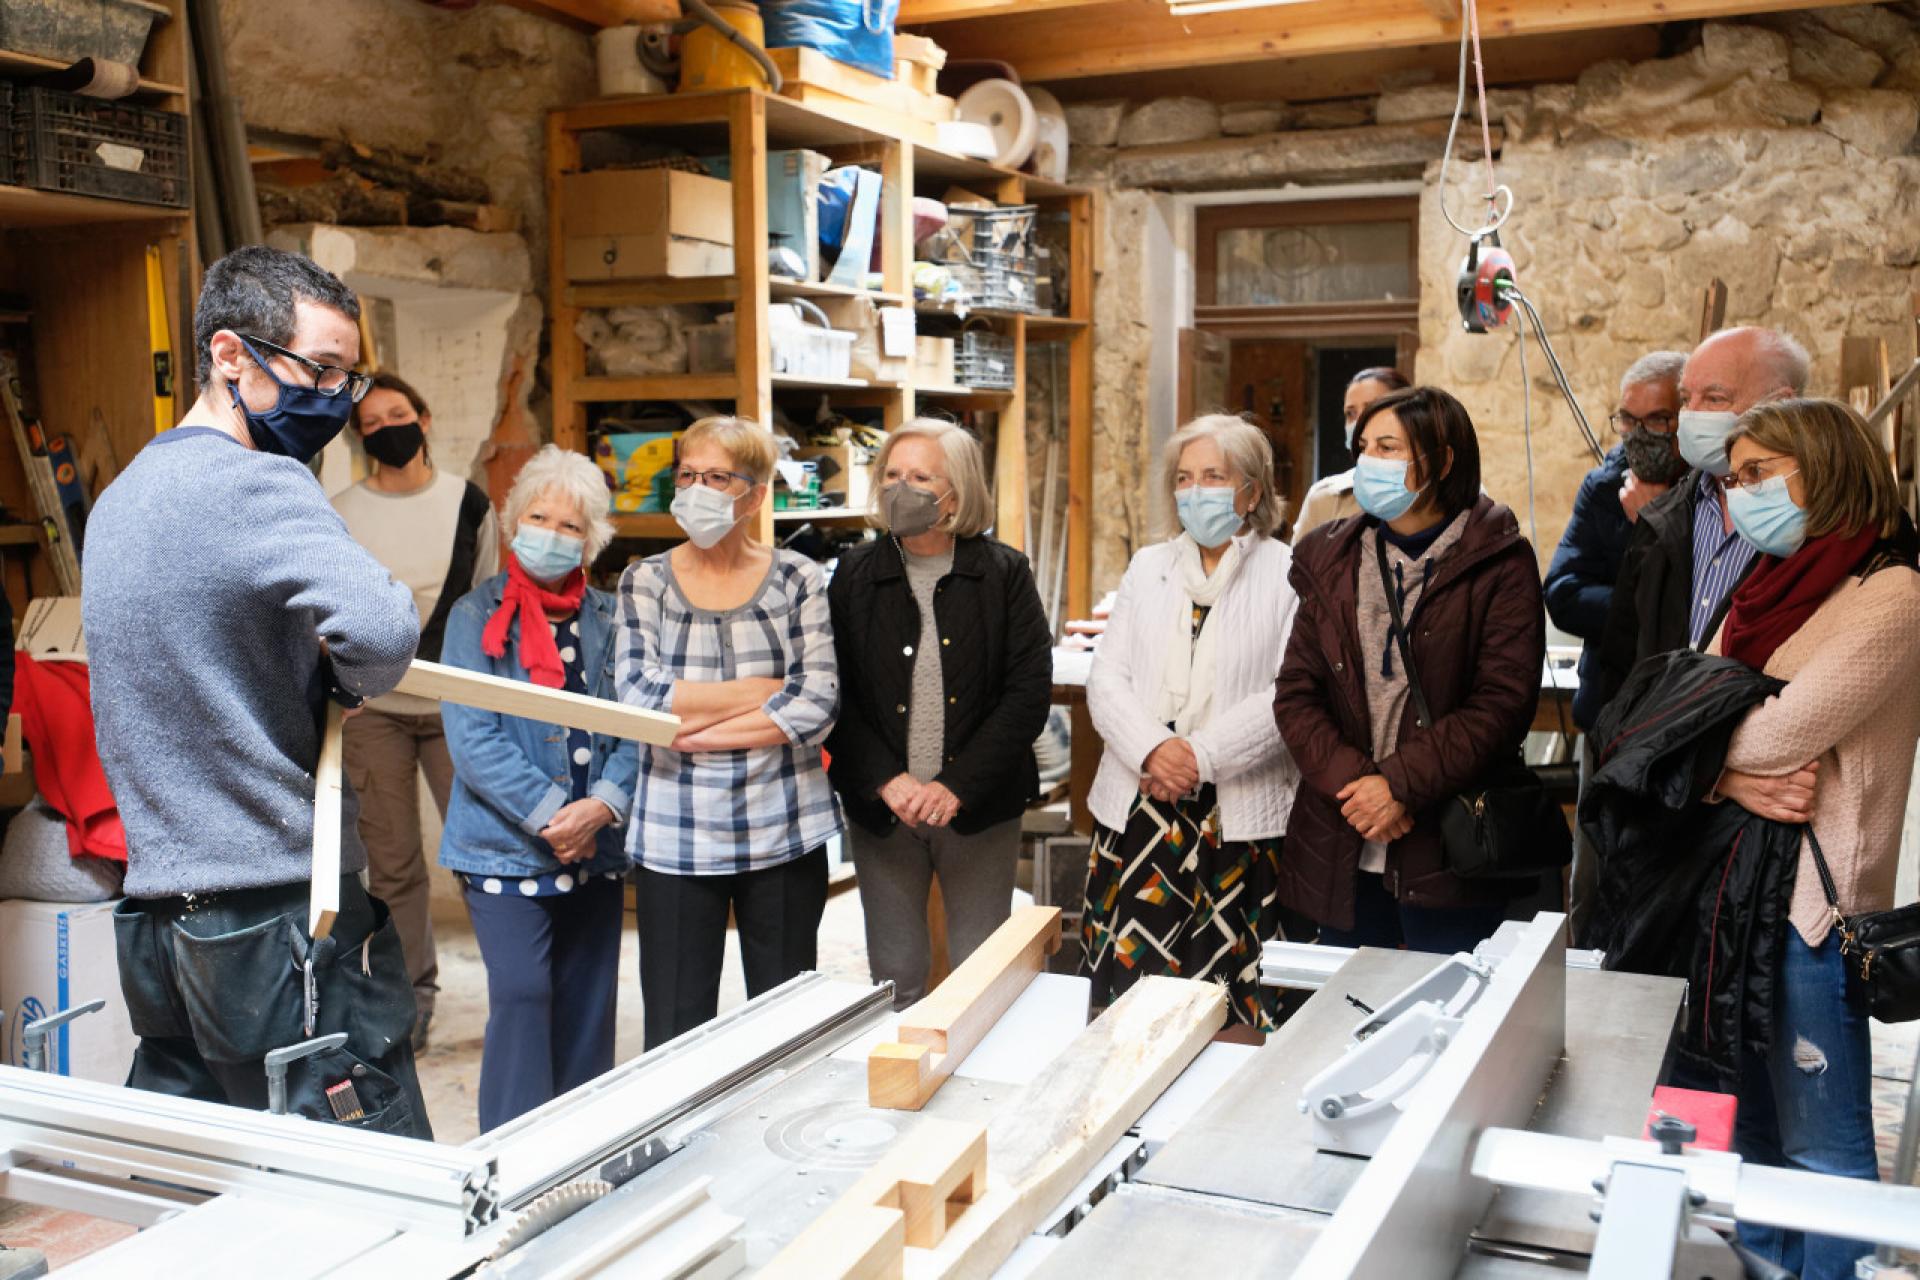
1240 750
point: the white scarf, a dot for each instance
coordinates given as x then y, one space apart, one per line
1186 681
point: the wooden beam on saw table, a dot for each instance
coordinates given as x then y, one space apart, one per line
1078 40
937 1034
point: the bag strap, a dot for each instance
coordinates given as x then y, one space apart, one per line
1826 875
1400 632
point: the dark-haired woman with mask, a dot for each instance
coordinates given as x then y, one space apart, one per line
436 533
947 672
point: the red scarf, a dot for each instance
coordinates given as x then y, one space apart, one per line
1780 595
538 654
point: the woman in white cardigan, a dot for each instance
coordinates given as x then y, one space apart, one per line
1195 785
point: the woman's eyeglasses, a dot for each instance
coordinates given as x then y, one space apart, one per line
686 478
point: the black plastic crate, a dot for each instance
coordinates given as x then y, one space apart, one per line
89 147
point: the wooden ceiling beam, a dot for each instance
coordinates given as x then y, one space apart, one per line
1124 36
912 11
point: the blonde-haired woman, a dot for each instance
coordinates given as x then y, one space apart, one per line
948 671
532 828
1831 607
732 637
1195 785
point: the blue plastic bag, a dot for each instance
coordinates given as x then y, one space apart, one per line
856 32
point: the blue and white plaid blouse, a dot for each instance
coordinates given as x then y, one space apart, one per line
721 812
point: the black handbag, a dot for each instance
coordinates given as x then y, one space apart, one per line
1506 825
1882 950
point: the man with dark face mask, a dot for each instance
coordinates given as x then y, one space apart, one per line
225 605
1579 582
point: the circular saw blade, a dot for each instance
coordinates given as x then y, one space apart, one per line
548 1210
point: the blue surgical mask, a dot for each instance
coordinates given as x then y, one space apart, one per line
1703 439
1766 515
1208 514
545 554
1380 487
706 515
301 421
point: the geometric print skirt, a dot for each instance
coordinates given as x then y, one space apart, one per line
1168 896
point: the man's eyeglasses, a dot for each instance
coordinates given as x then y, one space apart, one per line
686 478
1752 473
1662 423
328 379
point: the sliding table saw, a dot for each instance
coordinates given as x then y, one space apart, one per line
1499 1099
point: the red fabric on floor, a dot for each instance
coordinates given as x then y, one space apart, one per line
1710 1114
56 720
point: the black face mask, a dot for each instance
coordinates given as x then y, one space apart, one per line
395 445
1653 457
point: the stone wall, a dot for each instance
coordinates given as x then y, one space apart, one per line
1776 153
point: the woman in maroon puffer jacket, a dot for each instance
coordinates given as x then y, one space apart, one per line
1363 856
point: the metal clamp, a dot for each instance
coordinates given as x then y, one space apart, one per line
34 1037
278 1060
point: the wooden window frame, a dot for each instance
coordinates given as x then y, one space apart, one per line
1304 320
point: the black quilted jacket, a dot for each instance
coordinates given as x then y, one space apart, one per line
1689 889
996 660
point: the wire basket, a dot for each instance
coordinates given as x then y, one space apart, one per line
86 146
1006 230
983 360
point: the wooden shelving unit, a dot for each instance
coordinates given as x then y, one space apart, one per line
746 124
80 262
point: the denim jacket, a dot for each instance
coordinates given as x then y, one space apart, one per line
510 774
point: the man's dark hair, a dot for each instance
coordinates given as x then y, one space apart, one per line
1384 374
1435 422
252 291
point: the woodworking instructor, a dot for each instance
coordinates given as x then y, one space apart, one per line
536 826
225 604
947 670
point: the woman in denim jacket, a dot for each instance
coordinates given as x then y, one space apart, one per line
534 827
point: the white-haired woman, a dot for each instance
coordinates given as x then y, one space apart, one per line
732 637
947 662
533 828
1195 785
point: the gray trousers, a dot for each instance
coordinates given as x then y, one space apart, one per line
896 872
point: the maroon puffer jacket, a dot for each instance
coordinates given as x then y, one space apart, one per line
1478 633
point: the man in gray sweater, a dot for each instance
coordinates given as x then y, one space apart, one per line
224 605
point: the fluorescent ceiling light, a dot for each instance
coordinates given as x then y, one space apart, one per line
1187 8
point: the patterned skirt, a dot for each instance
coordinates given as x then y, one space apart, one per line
1169 896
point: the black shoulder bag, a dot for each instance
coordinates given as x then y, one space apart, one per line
1882 950
1505 826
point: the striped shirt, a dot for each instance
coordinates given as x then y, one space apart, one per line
1720 559
723 812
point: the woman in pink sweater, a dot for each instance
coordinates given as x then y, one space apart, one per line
1833 608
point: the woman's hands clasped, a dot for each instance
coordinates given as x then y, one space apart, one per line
917 803
1368 805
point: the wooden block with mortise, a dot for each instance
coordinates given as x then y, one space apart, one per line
920 1187
532 702
937 1034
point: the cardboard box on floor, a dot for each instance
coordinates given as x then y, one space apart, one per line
53 956
641 224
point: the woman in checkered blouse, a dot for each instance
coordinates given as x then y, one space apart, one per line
732 637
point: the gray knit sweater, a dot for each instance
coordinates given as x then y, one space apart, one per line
212 573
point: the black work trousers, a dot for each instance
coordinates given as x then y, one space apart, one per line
215 982
683 936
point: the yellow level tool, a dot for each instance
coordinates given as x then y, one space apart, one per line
160 343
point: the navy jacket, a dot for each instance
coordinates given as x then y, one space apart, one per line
1579 582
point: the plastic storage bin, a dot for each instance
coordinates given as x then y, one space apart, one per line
69 30
64 142
799 349
983 361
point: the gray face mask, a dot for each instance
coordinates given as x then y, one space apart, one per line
909 512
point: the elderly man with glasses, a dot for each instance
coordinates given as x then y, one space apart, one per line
225 606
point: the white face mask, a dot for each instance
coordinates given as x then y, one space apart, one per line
1703 439
705 514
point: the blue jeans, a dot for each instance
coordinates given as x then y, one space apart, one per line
1380 921
1808 1103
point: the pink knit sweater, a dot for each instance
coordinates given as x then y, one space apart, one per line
1852 702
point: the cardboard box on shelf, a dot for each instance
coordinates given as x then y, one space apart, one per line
640 224
53 956
932 361
882 337
843 468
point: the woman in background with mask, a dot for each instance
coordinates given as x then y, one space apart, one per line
1364 855
437 534
1331 497
1831 607
733 637
534 827
947 662
1195 784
